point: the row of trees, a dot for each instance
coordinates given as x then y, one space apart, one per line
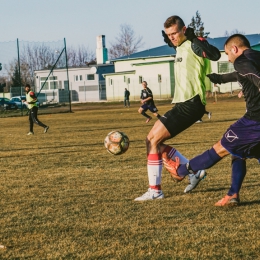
41 56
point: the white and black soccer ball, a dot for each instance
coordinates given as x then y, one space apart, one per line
116 142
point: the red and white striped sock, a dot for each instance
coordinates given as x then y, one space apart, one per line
172 153
154 168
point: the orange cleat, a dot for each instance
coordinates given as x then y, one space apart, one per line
172 166
228 201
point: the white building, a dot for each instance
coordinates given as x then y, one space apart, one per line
86 83
156 66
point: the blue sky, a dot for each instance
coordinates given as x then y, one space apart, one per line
80 21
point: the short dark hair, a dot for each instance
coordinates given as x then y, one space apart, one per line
28 86
172 20
239 39
145 82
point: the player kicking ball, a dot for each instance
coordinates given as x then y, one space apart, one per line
190 69
241 139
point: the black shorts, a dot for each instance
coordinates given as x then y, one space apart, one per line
183 115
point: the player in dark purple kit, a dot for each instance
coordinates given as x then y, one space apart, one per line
242 139
147 103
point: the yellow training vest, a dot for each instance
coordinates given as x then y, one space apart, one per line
30 99
190 74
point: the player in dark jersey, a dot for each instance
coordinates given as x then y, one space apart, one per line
190 68
147 102
242 139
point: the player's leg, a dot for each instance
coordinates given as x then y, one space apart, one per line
156 136
34 115
203 161
154 110
142 111
237 176
31 123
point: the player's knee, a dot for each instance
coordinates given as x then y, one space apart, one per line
220 150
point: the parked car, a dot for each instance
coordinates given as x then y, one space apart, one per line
18 100
7 104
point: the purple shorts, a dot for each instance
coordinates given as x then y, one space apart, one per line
242 139
151 107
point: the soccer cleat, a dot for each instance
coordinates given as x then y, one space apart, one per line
195 180
46 129
172 166
209 115
151 195
199 121
228 201
148 120
30 133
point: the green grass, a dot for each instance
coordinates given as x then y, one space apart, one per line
63 196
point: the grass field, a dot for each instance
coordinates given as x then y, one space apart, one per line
63 196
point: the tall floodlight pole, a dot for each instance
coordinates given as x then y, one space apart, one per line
66 59
19 72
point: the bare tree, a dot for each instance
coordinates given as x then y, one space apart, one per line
39 57
126 43
198 26
227 34
80 56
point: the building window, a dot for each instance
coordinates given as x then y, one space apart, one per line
78 78
225 67
111 82
140 79
128 80
90 77
51 83
159 78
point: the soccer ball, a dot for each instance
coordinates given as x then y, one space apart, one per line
116 142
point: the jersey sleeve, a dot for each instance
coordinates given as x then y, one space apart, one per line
33 96
248 69
202 48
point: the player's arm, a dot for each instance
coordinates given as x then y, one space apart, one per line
223 78
32 95
201 47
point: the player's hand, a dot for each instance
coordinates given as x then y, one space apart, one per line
215 78
189 33
167 40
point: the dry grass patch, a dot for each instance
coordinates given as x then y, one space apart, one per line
64 197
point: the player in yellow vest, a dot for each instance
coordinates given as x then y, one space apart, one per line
190 69
31 100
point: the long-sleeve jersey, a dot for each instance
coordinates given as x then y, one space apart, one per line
247 73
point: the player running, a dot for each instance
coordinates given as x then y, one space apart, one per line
242 139
147 102
190 68
31 100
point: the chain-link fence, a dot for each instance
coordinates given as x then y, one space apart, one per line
19 62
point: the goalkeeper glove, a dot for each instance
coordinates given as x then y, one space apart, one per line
167 40
215 78
189 33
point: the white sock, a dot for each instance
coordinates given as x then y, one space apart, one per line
154 168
